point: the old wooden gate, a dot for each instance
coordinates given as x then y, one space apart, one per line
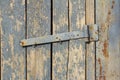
60 39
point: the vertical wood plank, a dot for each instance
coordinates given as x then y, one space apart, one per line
38 24
102 55
107 16
90 55
76 67
12 26
60 49
113 72
90 61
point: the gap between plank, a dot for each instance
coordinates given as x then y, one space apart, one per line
51 49
26 37
68 42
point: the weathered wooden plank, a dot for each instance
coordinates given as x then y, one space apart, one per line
76 66
102 55
12 26
113 72
90 55
90 61
38 24
60 50
107 16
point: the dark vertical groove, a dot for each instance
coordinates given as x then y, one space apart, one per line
98 36
68 43
86 46
68 17
51 17
26 37
86 60
51 34
94 11
0 52
85 14
95 60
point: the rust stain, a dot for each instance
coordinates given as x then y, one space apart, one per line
22 43
113 3
100 74
108 20
91 28
102 78
105 27
109 17
99 61
105 49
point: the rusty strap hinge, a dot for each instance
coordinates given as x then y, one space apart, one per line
89 33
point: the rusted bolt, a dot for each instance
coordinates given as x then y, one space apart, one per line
22 43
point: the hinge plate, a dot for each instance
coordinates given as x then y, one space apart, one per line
89 32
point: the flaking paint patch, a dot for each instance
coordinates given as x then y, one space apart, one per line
70 9
14 64
105 49
60 25
35 64
77 57
28 1
36 26
76 63
11 43
21 69
80 22
59 63
18 25
12 2
23 2
63 20
11 17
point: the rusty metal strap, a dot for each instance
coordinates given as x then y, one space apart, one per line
89 32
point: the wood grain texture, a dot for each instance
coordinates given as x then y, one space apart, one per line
90 61
12 26
38 24
90 55
108 63
60 49
76 66
113 72
102 55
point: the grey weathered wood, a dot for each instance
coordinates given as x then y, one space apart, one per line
108 62
76 66
90 54
12 28
90 61
113 72
38 24
60 50
102 55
